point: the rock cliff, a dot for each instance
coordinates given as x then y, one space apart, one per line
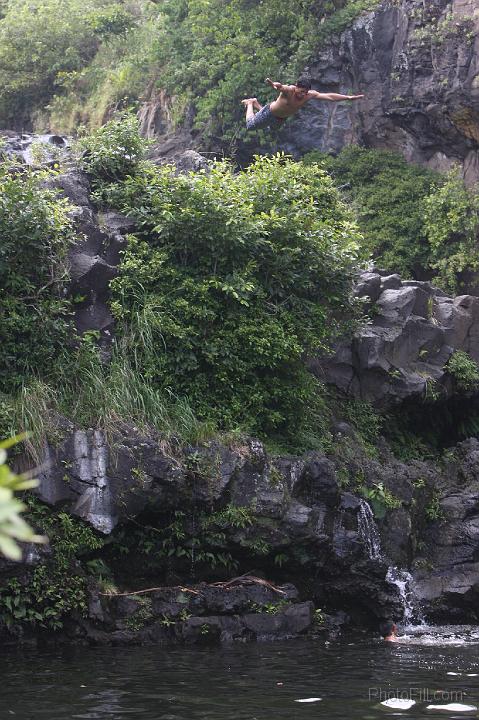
404 349
417 64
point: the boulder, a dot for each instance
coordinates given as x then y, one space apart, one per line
404 348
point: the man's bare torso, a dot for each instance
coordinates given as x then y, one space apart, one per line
287 103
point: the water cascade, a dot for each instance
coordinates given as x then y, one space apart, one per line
403 580
368 531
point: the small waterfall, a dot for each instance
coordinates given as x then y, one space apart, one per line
403 580
368 531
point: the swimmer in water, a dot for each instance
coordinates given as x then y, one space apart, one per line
389 630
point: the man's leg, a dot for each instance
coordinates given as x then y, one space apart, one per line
251 103
254 121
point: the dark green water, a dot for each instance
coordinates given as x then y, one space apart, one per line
240 682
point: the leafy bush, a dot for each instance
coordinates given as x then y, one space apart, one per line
113 151
381 499
231 280
451 221
35 320
38 40
56 587
464 370
384 189
111 20
415 221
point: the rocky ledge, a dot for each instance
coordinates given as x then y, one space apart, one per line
402 352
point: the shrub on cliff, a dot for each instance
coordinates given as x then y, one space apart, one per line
386 192
415 221
231 280
35 232
451 222
114 150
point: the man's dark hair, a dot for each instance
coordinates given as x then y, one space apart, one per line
303 82
387 628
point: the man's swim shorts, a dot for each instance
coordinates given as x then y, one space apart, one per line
263 118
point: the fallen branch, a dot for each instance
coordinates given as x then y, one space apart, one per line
150 590
248 579
245 579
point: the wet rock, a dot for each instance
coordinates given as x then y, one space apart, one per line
294 620
74 186
190 161
207 630
90 273
447 571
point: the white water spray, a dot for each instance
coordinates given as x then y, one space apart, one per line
368 531
404 582
402 579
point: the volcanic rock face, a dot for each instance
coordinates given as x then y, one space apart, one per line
308 510
304 509
446 573
403 351
418 66
94 258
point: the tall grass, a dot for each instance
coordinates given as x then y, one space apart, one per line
92 394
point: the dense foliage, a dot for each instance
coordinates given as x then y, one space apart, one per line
39 43
231 281
114 151
57 585
415 221
36 230
464 370
74 60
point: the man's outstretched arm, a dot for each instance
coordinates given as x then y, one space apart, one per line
279 86
334 97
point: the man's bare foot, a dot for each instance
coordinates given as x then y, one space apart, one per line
249 101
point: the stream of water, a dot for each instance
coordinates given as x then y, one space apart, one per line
344 681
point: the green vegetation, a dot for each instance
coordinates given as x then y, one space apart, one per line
12 526
57 586
114 151
451 222
380 498
142 616
434 510
34 316
183 540
44 43
415 222
230 281
464 370
71 61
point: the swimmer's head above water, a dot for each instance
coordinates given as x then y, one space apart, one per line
389 630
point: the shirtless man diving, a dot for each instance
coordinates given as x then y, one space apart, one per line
291 98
